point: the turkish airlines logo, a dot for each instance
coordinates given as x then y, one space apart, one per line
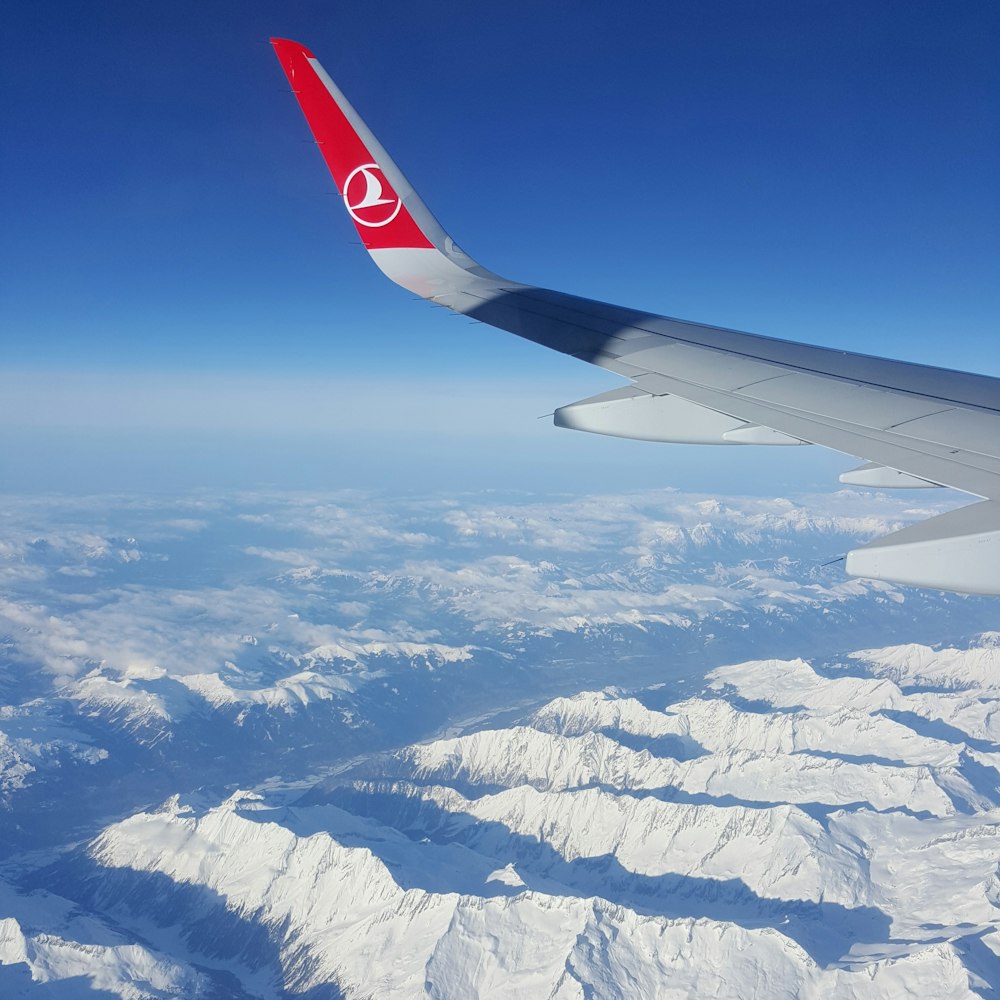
364 193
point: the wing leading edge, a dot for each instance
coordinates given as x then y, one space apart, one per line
914 425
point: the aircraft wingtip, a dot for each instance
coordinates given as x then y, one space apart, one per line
288 43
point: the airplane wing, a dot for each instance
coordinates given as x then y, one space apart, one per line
913 425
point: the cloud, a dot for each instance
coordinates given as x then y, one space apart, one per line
122 584
186 523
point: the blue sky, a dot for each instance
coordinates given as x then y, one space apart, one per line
817 171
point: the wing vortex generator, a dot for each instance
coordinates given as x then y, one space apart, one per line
914 426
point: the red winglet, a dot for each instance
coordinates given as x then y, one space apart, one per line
375 208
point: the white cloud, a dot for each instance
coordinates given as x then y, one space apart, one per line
407 569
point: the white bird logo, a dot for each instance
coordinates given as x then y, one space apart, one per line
371 197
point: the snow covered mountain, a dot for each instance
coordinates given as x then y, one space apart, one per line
49 947
294 746
791 830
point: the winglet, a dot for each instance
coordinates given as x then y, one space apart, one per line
375 198
401 235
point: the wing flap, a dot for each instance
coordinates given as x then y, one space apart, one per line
956 428
963 470
862 404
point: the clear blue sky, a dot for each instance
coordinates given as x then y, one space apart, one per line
817 171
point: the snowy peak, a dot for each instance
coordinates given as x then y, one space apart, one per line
808 824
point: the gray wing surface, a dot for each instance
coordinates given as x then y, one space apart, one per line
913 425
